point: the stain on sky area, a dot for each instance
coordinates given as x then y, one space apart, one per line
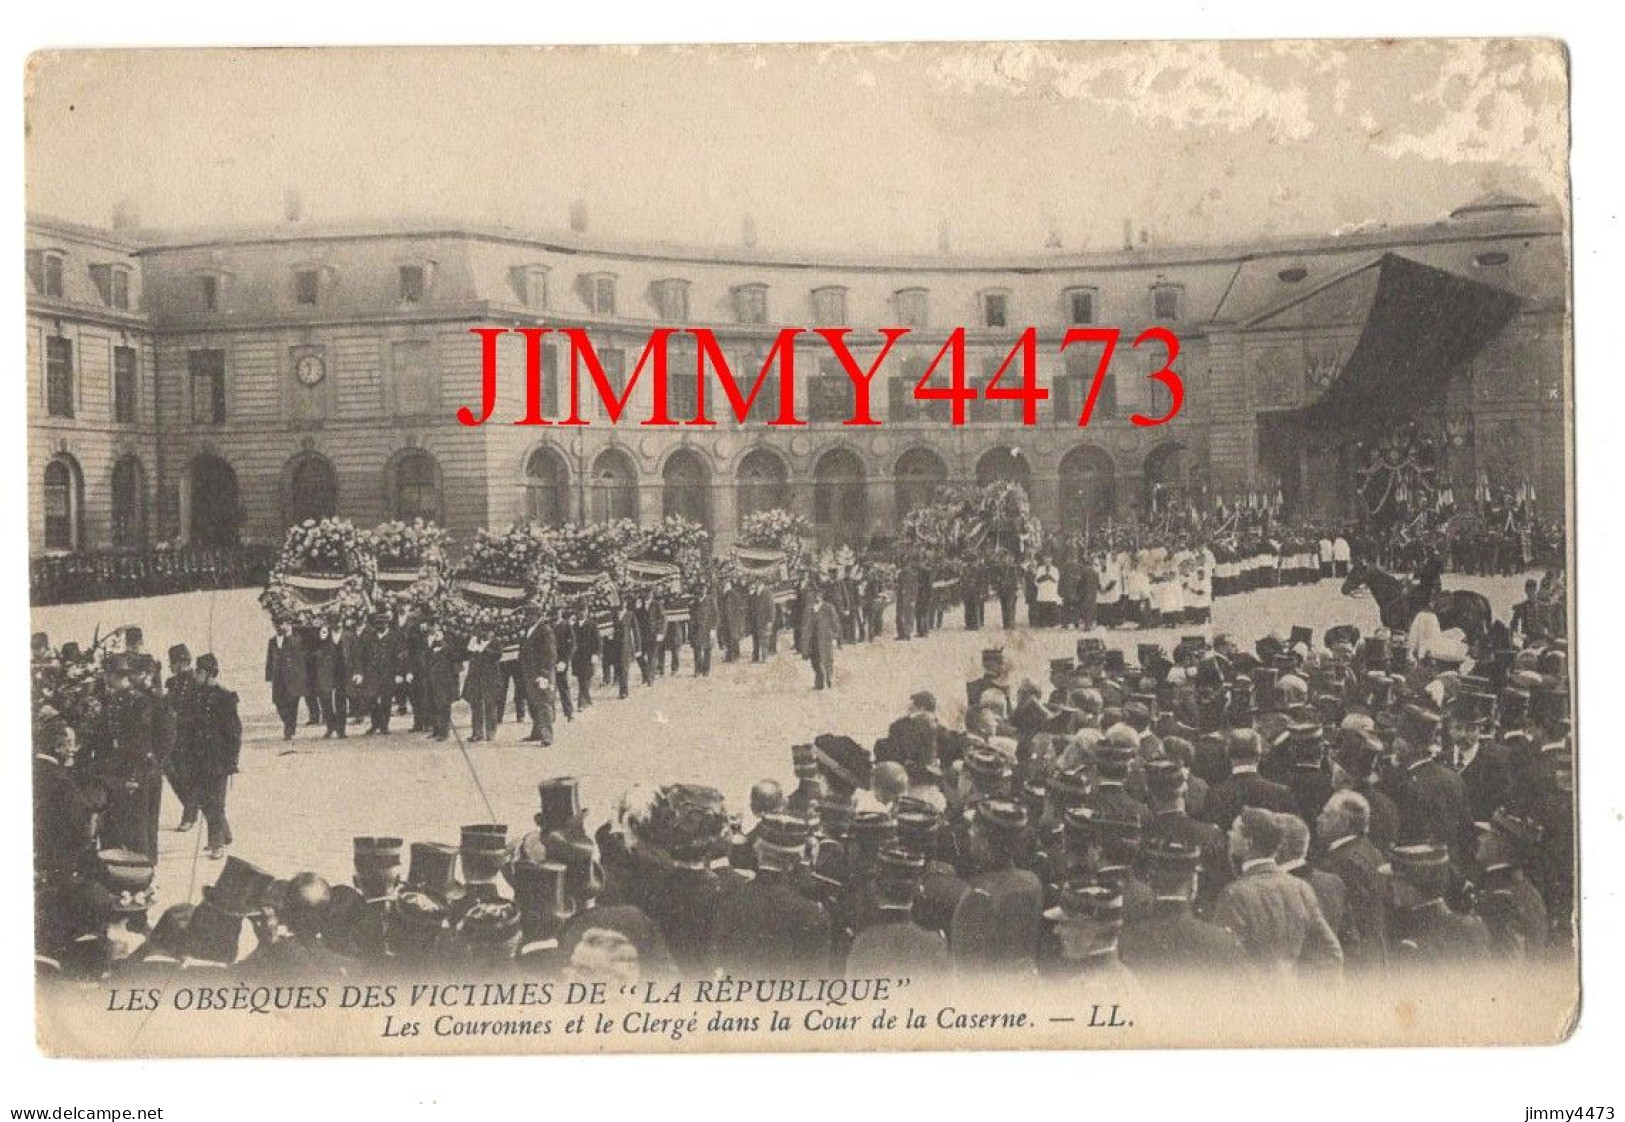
991 147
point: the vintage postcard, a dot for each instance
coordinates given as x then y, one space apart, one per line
740 548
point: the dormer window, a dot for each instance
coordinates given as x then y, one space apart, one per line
1165 302
414 284
1080 306
913 306
45 270
750 303
671 299
598 293
530 282
209 292
829 306
995 309
307 287
113 284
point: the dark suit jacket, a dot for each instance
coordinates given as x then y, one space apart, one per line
765 927
285 669
1433 806
1243 789
1364 933
1170 938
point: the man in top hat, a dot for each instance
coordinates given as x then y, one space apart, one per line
820 635
1168 937
1165 788
1275 915
483 685
995 928
181 679
1245 787
210 741
127 747
1307 772
1428 932
1508 903
559 821
380 655
487 935
995 676
216 926
766 926
1347 852
285 670
542 895
732 620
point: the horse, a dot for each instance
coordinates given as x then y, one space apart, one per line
1398 603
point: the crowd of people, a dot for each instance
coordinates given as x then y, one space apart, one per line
1310 806
84 576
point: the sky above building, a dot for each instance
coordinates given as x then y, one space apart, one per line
1002 147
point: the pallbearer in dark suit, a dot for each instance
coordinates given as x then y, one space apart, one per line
734 621
285 671
483 684
764 624
332 677
821 634
381 653
908 592
538 664
564 646
628 643
588 642
214 741
702 628
439 683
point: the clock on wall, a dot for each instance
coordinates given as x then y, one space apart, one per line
311 370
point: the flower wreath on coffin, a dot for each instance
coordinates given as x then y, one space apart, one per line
409 564
322 577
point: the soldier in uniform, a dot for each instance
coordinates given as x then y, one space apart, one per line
766 926
210 739
285 670
1167 822
995 927
135 735
181 679
1428 932
1086 923
1508 903
896 941
1169 937
995 676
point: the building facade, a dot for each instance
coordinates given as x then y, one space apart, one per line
297 371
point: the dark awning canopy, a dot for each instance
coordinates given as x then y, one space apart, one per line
1422 326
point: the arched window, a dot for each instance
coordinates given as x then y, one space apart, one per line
686 489
840 495
614 487
1006 465
1088 489
764 483
920 475
64 497
415 489
313 489
129 504
547 488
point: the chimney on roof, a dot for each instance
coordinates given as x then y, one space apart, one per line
747 231
1052 240
578 216
1145 236
126 216
293 207
1128 233
944 241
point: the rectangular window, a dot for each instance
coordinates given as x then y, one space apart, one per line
1165 303
124 385
209 293
614 362
682 394
306 286
1080 306
1081 362
830 396
412 284
208 371
59 376
672 298
1159 397
51 284
996 309
412 365
119 285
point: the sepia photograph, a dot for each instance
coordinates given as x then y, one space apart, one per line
736 548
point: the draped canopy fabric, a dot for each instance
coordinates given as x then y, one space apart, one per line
1423 324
